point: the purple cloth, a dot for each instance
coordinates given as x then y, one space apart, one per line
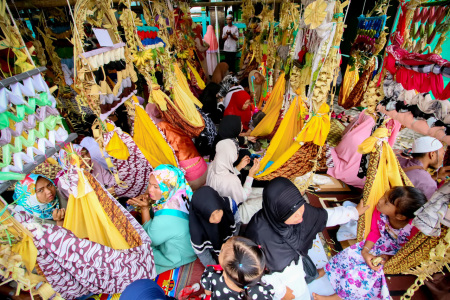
419 177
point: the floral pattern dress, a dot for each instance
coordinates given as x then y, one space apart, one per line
349 274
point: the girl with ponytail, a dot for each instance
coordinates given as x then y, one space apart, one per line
242 264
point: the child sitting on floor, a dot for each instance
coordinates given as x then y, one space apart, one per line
238 276
355 273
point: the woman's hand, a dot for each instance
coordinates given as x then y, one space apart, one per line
361 208
140 201
58 215
254 168
252 139
289 294
368 259
243 163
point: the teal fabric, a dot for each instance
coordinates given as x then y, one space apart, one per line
171 241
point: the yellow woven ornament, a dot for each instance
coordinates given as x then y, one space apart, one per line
315 14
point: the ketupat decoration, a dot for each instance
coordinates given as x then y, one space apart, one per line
17 258
315 13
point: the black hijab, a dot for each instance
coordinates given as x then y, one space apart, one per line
229 128
209 100
283 243
204 235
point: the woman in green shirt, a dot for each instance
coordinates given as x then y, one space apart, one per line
167 223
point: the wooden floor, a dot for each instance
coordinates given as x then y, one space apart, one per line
398 284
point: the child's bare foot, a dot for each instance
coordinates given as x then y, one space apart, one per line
332 297
321 273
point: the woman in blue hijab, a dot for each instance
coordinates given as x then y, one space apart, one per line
144 289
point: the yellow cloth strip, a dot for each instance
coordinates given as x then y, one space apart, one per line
317 128
271 109
150 141
86 218
283 146
387 176
200 82
27 251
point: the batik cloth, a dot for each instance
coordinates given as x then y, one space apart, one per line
176 192
75 266
25 195
133 168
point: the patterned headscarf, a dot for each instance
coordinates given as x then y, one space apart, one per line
175 190
226 84
25 191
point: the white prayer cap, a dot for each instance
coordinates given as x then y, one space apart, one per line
230 17
426 144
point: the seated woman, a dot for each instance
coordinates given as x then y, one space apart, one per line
354 272
211 104
167 196
231 128
212 221
223 177
286 227
103 175
38 196
240 105
346 158
188 157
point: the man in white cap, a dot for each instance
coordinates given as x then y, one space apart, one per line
427 152
230 34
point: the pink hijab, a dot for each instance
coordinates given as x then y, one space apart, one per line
211 39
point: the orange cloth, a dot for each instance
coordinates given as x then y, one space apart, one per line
181 143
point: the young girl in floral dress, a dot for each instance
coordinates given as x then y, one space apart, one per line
352 272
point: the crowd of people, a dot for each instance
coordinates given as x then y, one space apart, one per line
252 241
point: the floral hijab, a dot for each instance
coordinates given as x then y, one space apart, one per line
176 192
25 195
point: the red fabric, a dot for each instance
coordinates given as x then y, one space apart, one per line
410 79
235 108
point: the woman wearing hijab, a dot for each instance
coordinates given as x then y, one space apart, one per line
186 152
167 196
240 105
144 289
38 196
223 177
208 98
212 221
286 227
103 175
211 54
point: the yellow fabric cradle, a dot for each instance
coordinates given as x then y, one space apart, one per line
380 178
283 145
86 217
182 82
150 140
349 82
317 128
271 109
